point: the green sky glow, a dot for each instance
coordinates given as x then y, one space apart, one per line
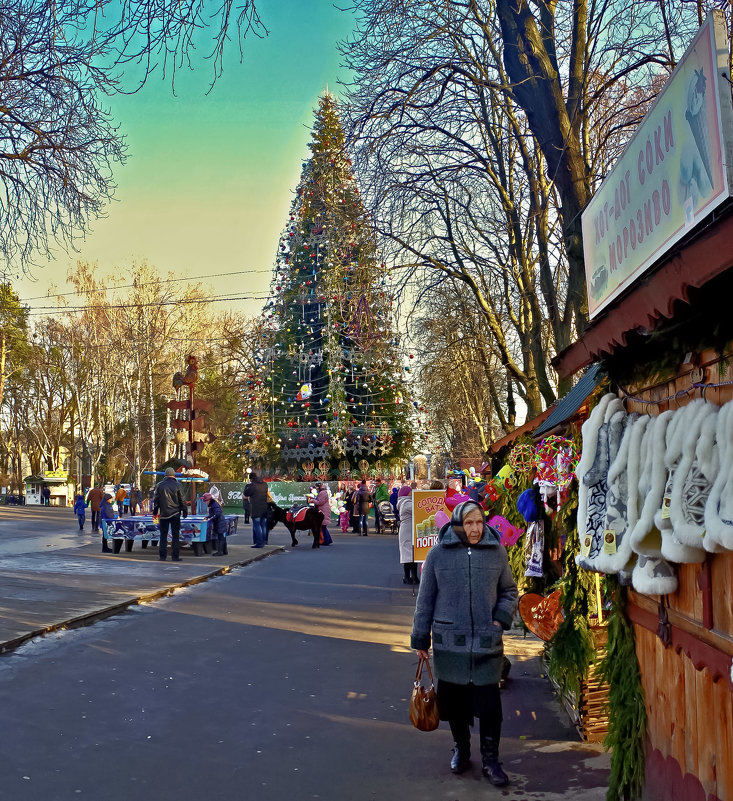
209 179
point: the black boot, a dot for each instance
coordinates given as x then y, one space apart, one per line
490 765
105 547
461 759
218 551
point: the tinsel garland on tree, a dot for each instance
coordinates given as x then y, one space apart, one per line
627 722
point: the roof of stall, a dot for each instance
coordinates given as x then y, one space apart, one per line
569 404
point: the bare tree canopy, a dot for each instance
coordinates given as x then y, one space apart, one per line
480 130
58 142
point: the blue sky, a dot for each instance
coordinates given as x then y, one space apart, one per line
209 178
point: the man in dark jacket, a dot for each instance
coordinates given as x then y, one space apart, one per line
94 499
256 491
362 505
169 504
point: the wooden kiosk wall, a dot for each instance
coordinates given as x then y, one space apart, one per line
688 684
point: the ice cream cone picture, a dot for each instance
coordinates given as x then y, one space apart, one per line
696 116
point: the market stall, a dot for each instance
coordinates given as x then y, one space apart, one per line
196 531
57 481
656 477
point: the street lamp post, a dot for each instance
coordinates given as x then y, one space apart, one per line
429 459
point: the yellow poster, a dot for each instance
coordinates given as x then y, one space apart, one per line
425 505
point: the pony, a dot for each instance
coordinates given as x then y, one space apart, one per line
305 519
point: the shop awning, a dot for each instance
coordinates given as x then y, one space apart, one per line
569 404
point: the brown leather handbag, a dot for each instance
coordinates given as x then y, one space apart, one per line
424 702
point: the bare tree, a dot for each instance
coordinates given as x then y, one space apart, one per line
58 142
460 376
571 80
457 185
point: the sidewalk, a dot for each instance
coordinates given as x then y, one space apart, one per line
65 588
46 585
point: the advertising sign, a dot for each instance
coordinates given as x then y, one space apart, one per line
673 172
287 493
425 504
59 473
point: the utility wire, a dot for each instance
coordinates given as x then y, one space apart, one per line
178 302
146 283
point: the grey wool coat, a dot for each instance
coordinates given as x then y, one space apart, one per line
463 590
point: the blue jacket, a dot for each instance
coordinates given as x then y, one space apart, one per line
218 521
463 590
107 512
80 507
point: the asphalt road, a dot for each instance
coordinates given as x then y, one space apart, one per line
285 679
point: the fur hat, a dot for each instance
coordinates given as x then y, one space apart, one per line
206 497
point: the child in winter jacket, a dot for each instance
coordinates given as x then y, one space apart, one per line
344 521
80 510
219 524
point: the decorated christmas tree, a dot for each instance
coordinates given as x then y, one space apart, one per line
329 398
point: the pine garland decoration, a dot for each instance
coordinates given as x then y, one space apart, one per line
572 650
627 713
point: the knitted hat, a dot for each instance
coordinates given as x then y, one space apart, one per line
206 497
404 491
169 471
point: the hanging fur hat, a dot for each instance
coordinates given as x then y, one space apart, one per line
692 481
600 445
654 576
719 506
645 536
622 500
684 419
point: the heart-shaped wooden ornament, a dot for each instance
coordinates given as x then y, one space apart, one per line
541 614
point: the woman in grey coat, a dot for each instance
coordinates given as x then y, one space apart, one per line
467 598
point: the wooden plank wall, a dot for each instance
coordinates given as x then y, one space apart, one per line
690 724
690 735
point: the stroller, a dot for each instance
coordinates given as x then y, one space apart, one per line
389 522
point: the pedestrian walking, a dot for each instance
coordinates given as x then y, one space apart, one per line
219 523
136 499
349 499
94 502
393 495
362 505
46 495
381 493
404 536
256 491
467 598
169 504
80 510
323 503
107 515
120 496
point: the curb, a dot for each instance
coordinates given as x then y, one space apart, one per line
90 618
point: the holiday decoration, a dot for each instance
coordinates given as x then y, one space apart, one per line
541 615
304 392
522 458
330 385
